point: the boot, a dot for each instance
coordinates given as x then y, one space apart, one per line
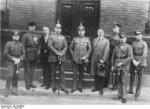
14 91
123 100
101 91
6 94
94 89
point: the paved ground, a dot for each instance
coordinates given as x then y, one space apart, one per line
41 96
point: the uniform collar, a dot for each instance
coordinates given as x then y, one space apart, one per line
15 42
139 40
102 38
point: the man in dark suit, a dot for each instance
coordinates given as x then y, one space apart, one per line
31 44
44 54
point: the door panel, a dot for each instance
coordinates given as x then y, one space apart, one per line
90 17
72 12
67 19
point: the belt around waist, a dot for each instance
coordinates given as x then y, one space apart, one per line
137 54
121 57
58 49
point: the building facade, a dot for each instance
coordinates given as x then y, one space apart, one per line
94 14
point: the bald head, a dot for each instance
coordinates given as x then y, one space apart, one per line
100 33
46 30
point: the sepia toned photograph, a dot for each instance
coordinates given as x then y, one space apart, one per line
74 52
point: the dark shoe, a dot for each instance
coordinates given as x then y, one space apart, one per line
33 86
6 94
54 90
27 88
14 91
80 89
101 92
47 87
73 90
66 91
114 87
94 89
136 96
130 92
42 85
123 100
117 98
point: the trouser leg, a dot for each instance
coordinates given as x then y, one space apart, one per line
96 81
53 66
75 75
124 85
27 73
132 76
140 72
62 79
44 73
107 76
48 75
15 79
80 82
32 71
10 70
101 82
118 78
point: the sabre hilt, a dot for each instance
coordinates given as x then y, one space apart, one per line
84 64
59 59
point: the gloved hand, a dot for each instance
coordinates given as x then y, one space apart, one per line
119 64
16 60
84 59
136 63
112 68
101 61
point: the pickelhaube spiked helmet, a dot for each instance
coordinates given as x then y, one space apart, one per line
81 27
58 25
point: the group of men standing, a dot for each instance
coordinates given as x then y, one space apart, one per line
107 55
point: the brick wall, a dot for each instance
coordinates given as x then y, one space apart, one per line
131 14
43 12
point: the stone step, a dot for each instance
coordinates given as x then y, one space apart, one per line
89 81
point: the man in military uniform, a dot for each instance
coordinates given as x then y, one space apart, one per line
80 49
139 61
58 46
15 53
113 42
100 57
31 44
121 58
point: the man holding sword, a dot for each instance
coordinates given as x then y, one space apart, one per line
138 63
121 58
14 52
